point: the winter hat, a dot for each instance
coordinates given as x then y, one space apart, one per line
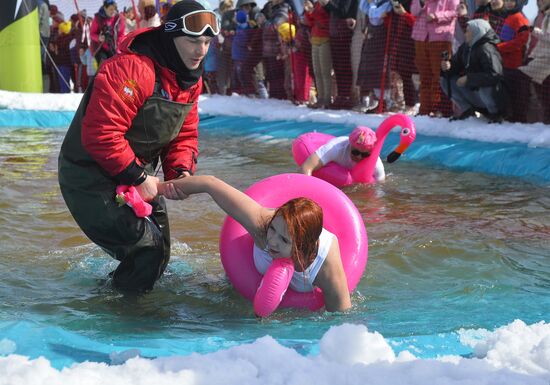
65 28
173 24
478 28
287 31
241 17
362 138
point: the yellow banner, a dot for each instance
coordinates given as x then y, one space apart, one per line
20 65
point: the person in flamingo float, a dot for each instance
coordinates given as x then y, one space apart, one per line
347 152
293 231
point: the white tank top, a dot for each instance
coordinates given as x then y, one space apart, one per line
301 280
338 150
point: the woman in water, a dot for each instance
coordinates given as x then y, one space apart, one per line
347 152
294 230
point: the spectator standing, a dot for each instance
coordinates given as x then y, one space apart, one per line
538 66
239 54
148 14
56 14
259 70
482 11
276 12
301 63
64 56
76 66
44 29
341 24
318 19
433 32
89 62
497 15
106 31
228 28
538 24
129 20
357 40
514 36
373 54
401 51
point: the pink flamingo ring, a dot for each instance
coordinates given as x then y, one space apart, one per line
362 172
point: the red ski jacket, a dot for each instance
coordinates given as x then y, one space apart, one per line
121 86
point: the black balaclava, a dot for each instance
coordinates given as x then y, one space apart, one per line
159 45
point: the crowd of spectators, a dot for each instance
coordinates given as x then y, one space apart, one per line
427 57
73 48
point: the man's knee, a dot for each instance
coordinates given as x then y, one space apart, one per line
490 98
145 262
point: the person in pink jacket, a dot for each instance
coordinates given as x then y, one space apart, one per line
106 31
433 33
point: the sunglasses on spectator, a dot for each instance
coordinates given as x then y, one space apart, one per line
195 23
363 155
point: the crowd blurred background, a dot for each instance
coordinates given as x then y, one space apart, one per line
371 56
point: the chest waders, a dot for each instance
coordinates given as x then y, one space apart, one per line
141 245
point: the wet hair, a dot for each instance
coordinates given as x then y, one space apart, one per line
304 219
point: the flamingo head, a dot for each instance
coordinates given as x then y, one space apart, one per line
407 136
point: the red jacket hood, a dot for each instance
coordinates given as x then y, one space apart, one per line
129 39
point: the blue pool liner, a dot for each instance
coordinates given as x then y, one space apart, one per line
502 159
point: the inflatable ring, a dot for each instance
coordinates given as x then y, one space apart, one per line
362 172
340 216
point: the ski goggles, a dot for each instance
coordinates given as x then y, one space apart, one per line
363 155
194 23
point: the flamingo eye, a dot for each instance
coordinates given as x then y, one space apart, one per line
405 131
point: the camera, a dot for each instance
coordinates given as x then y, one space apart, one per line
445 55
106 31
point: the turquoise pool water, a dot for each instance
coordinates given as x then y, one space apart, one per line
457 239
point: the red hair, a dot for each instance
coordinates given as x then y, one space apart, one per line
304 219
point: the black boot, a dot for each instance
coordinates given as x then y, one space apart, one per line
466 114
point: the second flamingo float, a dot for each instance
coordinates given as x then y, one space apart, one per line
362 172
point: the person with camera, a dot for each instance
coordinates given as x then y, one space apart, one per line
106 31
473 76
139 113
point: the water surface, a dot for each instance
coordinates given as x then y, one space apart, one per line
447 250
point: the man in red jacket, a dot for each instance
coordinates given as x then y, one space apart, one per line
140 112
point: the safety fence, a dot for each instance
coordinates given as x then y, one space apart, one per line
372 56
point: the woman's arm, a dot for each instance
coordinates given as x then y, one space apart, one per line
245 210
312 163
332 280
